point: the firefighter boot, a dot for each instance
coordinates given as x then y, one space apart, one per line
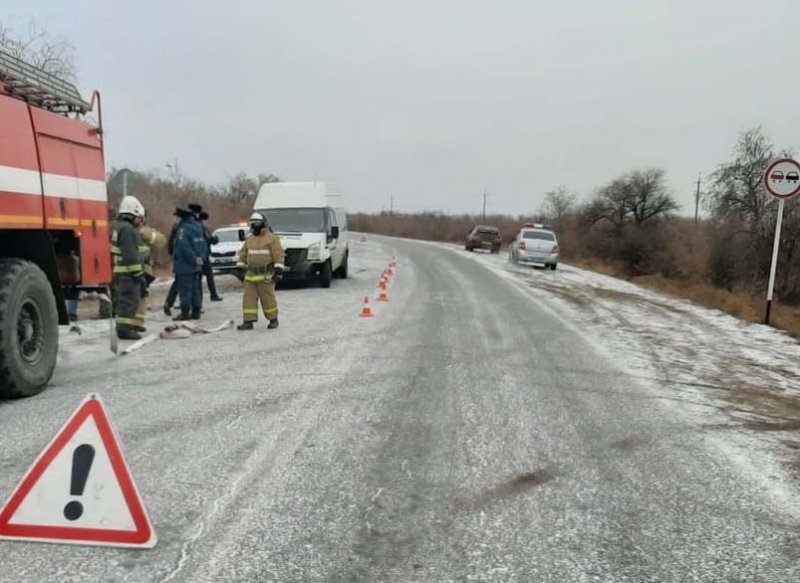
245 326
128 334
273 324
182 317
167 310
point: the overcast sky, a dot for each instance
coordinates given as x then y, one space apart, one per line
434 101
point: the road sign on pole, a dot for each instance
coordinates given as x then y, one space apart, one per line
782 181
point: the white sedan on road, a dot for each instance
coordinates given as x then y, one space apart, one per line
225 252
535 244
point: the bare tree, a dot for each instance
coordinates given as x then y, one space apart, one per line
735 192
637 198
608 205
267 179
37 46
648 197
558 203
242 187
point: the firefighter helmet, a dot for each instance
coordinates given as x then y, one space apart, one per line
257 218
130 205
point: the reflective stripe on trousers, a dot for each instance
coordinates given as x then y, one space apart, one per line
129 269
263 291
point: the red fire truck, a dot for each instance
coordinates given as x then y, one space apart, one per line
54 231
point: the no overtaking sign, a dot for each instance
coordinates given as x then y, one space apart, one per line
782 179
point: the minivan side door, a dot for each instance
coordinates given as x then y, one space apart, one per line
337 250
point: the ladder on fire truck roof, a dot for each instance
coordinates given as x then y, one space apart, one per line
39 87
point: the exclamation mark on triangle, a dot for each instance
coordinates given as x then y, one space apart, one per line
82 459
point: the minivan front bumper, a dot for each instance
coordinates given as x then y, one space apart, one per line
297 264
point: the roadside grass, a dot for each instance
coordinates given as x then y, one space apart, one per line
681 269
740 304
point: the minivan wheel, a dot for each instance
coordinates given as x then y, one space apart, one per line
341 273
326 274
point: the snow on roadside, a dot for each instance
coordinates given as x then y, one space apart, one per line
738 382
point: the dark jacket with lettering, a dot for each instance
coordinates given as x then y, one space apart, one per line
188 246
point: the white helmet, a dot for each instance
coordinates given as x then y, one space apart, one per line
130 205
257 218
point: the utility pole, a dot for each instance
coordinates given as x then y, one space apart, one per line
391 206
697 201
484 203
175 170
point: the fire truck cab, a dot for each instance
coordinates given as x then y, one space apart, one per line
54 229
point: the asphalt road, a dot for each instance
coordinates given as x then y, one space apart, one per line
463 434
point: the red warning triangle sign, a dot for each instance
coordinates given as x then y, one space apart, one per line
79 490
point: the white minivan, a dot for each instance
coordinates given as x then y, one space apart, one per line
311 221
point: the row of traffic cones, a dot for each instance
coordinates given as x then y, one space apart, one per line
383 286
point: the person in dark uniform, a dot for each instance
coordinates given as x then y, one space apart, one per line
128 270
197 210
208 270
189 248
194 210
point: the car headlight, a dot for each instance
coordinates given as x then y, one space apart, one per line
315 252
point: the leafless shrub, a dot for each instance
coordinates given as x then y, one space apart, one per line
39 47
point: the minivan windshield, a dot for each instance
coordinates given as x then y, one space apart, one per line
299 220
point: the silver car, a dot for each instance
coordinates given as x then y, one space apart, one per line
535 244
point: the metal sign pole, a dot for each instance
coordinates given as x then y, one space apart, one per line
774 266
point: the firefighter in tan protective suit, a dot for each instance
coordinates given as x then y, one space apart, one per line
151 239
262 257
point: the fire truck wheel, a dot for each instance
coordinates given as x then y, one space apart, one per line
28 329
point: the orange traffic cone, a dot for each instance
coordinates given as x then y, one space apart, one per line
384 296
391 271
366 311
383 284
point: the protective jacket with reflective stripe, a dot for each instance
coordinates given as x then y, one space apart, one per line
151 239
125 243
259 254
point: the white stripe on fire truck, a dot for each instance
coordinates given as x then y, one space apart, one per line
19 180
27 182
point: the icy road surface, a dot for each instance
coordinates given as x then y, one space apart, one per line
489 424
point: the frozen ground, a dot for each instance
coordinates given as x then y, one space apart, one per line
739 381
489 424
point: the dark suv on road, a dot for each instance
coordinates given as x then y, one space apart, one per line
483 237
